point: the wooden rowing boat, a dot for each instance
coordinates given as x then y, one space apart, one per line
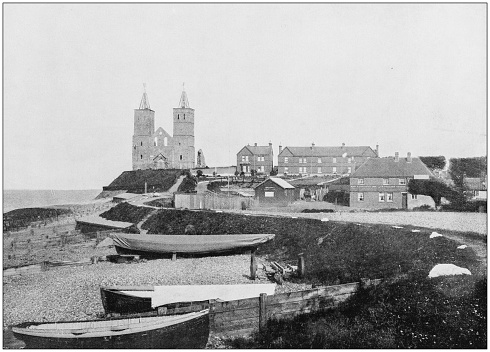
175 299
189 330
154 245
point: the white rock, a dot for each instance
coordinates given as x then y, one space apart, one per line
324 219
397 227
435 234
448 270
463 246
415 230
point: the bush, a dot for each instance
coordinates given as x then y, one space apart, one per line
424 207
126 212
156 180
473 206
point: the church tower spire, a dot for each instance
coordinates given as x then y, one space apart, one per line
145 103
184 103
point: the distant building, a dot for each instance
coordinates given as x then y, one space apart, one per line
477 187
322 160
383 183
275 191
255 157
158 149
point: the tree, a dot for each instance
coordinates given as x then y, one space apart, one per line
459 170
274 171
242 174
434 162
199 174
432 188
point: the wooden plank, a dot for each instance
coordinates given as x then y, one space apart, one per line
131 288
292 296
262 310
237 315
237 304
337 289
237 325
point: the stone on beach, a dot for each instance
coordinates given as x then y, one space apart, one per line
448 270
435 234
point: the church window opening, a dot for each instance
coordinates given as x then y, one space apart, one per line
141 143
178 117
181 157
165 141
184 116
141 156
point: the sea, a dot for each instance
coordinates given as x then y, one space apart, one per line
17 199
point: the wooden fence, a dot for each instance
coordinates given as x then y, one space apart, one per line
15 246
242 317
211 200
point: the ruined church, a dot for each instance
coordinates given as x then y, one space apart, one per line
157 149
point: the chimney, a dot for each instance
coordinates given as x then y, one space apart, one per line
396 157
270 144
255 144
312 145
377 150
409 157
343 145
280 149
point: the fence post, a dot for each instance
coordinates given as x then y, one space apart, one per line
301 265
262 311
212 310
253 265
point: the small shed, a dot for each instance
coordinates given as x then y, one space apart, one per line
275 191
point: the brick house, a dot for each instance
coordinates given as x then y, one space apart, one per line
383 183
255 157
322 160
275 191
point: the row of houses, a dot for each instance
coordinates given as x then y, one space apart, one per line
376 184
312 160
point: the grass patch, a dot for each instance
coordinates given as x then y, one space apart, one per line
134 181
334 252
21 218
412 313
126 212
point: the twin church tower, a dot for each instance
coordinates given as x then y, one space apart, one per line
157 149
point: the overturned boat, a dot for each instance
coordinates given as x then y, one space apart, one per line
188 331
175 298
157 245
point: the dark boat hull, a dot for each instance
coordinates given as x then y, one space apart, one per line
191 334
118 302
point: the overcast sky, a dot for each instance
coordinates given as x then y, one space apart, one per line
411 77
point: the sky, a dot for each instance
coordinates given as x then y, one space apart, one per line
409 77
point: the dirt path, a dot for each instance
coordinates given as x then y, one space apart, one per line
143 232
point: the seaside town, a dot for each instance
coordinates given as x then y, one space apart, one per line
304 246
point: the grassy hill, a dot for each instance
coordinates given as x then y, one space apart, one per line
20 218
134 181
126 212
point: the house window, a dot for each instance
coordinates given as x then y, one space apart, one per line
260 158
360 196
319 160
334 160
381 197
402 181
414 196
156 142
386 181
285 160
319 170
165 141
389 196
349 160
334 170
246 157
360 181
349 170
285 170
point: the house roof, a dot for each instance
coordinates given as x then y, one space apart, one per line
257 149
279 181
475 183
349 151
387 167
